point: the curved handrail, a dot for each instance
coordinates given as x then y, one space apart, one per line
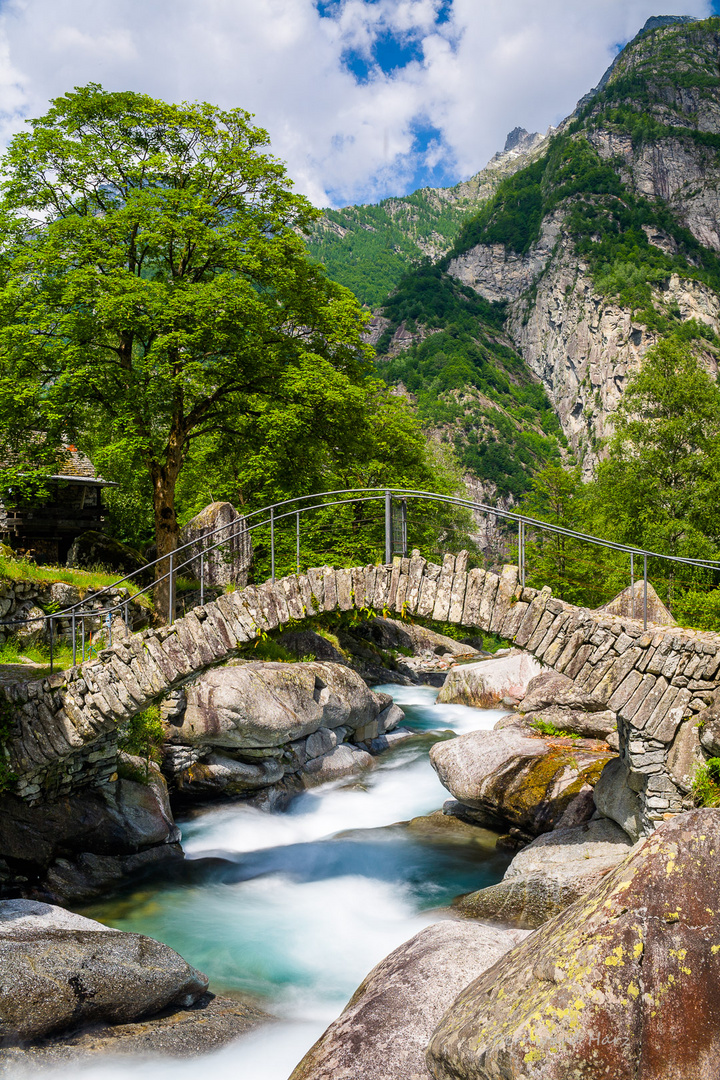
268 515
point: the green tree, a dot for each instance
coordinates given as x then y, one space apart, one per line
158 289
575 570
658 487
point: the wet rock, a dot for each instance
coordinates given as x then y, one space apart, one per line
487 682
341 762
616 800
622 984
515 780
383 1032
548 875
219 775
208 1024
270 704
56 976
101 832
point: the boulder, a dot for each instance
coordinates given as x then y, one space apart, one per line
93 549
343 761
227 564
219 775
616 800
487 682
60 971
548 875
308 643
258 704
207 1025
73 846
383 1031
555 699
396 634
622 606
622 984
709 727
513 779
28 623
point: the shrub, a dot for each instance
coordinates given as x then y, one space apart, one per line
143 736
706 783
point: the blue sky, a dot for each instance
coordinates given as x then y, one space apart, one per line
362 98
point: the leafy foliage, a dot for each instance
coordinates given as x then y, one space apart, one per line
368 248
469 381
706 783
143 735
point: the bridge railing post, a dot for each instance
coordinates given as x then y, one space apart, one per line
50 626
632 584
403 521
202 578
272 543
171 593
644 592
297 540
388 527
74 639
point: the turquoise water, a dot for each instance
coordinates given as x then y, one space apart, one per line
295 908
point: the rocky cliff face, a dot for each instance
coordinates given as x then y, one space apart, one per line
657 123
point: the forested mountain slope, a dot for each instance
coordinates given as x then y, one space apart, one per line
369 248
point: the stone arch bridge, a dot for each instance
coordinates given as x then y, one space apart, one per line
656 681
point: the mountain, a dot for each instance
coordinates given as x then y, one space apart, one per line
369 248
557 267
609 241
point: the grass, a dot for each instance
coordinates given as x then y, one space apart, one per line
546 727
16 652
13 568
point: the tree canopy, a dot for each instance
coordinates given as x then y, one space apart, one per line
158 294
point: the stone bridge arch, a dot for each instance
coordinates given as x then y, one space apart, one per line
655 680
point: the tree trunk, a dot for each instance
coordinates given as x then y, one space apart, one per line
164 479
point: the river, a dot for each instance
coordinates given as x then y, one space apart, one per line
295 908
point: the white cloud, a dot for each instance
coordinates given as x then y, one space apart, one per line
492 65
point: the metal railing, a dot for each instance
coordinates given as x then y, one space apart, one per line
396 542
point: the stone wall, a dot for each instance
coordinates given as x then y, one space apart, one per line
23 605
658 682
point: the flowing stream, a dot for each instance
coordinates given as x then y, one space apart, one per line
295 908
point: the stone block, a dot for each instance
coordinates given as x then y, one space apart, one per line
343 584
457 596
487 600
428 591
444 590
329 589
415 574
473 596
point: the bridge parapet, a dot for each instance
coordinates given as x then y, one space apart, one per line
657 681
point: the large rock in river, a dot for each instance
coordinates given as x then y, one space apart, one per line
61 970
549 874
383 1031
624 984
488 681
256 705
511 778
555 699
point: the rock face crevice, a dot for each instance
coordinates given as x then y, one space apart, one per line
655 681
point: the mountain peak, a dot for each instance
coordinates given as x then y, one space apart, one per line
519 139
656 21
